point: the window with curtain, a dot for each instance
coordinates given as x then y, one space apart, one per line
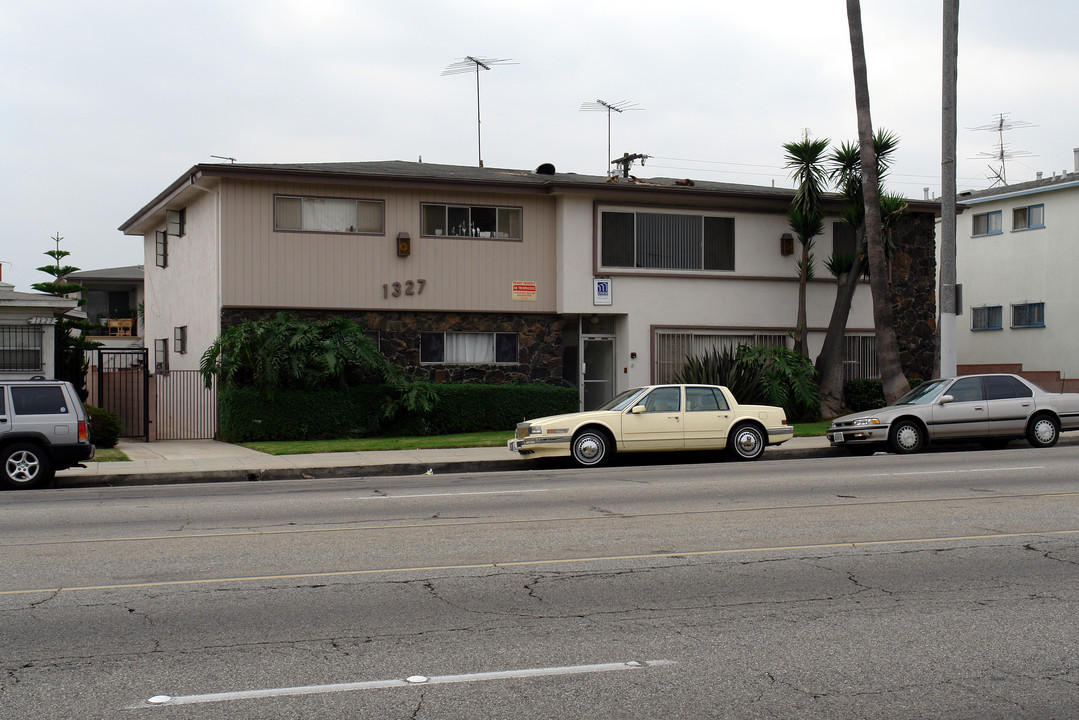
469 348
336 215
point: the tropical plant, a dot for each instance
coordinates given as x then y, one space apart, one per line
787 378
284 352
721 367
71 340
806 217
891 369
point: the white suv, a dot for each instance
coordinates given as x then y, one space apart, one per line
43 428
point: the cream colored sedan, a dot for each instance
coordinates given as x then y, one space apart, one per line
653 418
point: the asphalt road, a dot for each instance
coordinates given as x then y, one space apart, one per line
940 585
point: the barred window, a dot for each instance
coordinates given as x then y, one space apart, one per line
20 348
673 347
1027 315
986 317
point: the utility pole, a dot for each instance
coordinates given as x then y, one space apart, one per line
948 356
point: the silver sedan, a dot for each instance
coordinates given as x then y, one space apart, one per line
993 409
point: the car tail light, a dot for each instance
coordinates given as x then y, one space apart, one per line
83 436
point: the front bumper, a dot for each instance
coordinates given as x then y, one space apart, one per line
533 443
857 435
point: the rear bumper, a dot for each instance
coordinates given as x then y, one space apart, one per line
65 456
777 436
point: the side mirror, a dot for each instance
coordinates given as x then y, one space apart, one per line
947 399
637 409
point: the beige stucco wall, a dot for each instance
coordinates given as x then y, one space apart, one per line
761 294
1015 267
265 268
187 291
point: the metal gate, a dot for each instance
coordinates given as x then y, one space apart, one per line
123 387
186 408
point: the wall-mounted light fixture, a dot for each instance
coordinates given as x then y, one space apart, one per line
404 244
786 244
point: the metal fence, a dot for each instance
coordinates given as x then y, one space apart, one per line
186 408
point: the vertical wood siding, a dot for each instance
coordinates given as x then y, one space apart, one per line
264 268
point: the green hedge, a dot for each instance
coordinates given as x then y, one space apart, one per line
863 394
104 427
245 416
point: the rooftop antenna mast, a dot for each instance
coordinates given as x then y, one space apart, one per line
618 107
1003 153
470 63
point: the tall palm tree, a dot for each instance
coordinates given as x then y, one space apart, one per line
805 160
891 369
845 171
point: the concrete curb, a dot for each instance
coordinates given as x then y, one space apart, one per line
364 471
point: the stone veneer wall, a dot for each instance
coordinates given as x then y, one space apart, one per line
540 348
914 300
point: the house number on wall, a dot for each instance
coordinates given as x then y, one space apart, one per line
408 287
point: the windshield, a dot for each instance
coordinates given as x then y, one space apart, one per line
621 401
923 394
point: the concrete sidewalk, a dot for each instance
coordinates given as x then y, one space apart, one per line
190 461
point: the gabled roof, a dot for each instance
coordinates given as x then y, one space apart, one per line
128 273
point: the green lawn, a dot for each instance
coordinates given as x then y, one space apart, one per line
487 439
109 455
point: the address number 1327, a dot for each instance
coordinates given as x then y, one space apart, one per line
408 287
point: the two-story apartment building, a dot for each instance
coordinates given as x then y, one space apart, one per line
500 275
1017 248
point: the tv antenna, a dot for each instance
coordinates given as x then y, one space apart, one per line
1003 151
223 157
470 63
618 107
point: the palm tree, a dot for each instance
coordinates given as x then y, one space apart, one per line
845 172
806 218
891 369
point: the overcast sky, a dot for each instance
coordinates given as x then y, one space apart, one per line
105 103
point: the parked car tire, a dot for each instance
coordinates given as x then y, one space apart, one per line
591 448
746 442
24 466
1043 431
906 437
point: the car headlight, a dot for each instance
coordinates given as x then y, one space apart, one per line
866 421
535 430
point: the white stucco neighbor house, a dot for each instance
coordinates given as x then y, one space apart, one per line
495 275
28 332
1017 252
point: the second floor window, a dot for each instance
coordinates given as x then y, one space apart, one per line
1028 218
161 251
666 241
987 224
472 221
986 317
336 215
1027 315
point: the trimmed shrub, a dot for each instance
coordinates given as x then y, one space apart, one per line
104 426
862 394
244 415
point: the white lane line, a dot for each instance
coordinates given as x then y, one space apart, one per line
955 472
162 700
448 494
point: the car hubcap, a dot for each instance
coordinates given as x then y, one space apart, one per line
748 443
907 437
588 448
22 467
1044 431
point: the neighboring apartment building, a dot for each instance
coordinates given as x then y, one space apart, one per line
113 296
1017 250
466 273
28 332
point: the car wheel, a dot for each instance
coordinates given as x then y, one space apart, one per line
746 443
1043 431
591 448
25 466
906 437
